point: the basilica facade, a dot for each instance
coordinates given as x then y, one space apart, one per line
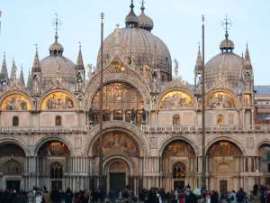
151 131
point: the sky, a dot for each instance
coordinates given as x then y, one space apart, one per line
177 22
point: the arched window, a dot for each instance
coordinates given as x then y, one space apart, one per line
15 121
58 121
176 120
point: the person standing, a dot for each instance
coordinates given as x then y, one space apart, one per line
68 196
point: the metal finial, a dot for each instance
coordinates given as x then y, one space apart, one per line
80 44
36 47
143 7
227 23
203 19
132 5
57 23
102 17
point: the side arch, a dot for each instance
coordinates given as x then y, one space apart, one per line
179 138
228 139
55 91
44 140
225 91
17 142
18 93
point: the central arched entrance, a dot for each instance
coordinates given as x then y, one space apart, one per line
117 171
12 159
53 159
178 165
224 166
120 156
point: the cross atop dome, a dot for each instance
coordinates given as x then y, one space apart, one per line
227 45
227 25
56 49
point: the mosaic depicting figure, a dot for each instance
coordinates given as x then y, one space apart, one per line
117 143
178 149
223 149
54 148
221 100
57 101
119 96
175 100
16 103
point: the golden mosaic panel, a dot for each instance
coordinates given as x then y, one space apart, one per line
57 101
16 102
220 100
175 100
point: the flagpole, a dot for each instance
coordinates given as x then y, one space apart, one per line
203 181
101 102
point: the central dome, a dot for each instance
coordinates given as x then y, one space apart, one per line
137 47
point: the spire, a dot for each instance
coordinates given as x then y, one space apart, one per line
22 77
80 64
29 81
199 62
36 64
4 72
176 68
131 19
247 60
13 74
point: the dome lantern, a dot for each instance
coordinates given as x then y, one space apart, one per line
132 19
145 22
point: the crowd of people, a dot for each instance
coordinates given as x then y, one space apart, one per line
259 194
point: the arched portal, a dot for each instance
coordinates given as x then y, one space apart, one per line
224 166
121 101
264 166
53 157
12 159
178 165
118 154
117 171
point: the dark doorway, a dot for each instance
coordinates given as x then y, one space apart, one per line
13 185
179 184
117 181
223 186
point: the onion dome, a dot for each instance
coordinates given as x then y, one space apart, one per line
145 22
56 49
225 69
132 19
137 48
56 66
